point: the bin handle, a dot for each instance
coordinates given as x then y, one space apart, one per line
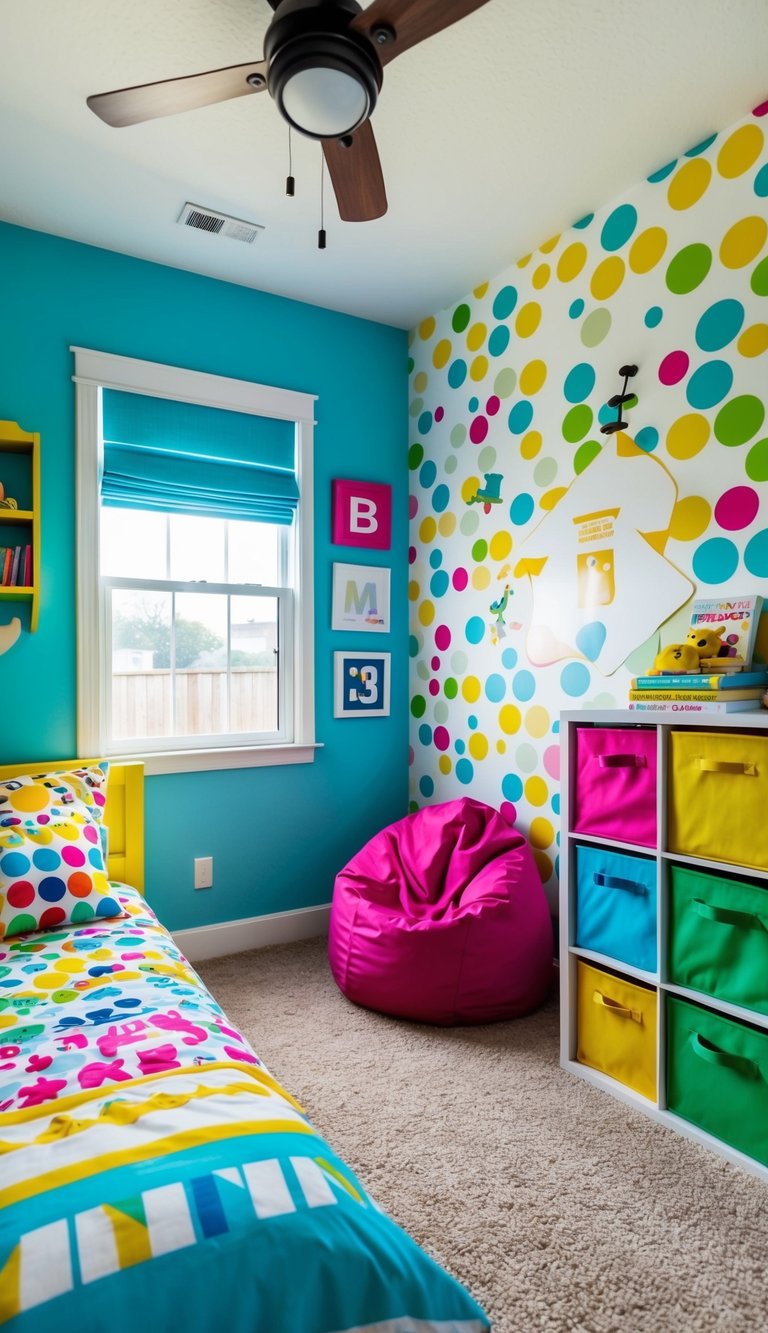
723 1059
727 766
614 1007
613 882
621 760
727 916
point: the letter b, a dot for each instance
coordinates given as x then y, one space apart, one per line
362 515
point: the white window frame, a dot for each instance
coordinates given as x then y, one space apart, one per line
95 371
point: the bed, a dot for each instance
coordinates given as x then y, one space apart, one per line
153 1173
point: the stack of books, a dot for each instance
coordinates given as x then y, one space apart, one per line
15 566
728 683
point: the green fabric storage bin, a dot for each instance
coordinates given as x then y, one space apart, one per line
718 937
717 1076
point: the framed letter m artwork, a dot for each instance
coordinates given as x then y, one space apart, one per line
361 684
362 514
361 598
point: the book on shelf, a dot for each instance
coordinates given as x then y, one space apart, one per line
7 562
690 706
27 577
694 680
14 579
739 617
695 696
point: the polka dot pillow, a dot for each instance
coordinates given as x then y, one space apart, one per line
77 795
51 875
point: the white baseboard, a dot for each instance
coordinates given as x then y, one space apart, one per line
252 932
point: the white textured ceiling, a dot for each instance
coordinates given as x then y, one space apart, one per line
493 135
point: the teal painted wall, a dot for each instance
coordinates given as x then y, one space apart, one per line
277 835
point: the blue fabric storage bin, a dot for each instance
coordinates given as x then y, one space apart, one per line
616 906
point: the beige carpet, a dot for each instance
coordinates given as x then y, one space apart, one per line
558 1207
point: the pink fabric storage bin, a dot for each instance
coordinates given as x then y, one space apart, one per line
615 787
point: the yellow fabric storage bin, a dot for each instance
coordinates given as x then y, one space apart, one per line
616 1028
719 796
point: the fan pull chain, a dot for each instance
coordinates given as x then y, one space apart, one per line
321 233
290 184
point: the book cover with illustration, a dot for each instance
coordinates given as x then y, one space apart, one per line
739 618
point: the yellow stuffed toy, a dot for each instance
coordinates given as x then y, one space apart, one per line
707 642
676 659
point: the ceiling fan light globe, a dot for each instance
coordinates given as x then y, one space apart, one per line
324 102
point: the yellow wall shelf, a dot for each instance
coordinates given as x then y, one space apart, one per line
21 527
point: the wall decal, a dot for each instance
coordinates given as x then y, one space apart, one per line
361 598
362 514
361 684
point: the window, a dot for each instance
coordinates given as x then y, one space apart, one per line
194 567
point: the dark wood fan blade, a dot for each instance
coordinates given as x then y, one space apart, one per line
412 21
148 101
356 176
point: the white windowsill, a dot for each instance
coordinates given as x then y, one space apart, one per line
204 761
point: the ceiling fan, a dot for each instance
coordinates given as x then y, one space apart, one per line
323 66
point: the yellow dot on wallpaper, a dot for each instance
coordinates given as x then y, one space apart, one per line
427 612
420 382
470 688
509 719
476 337
469 488
607 278
543 864
541 832
480 578
532 377
572 261
478 745
753 340
526 259
479 368
537 721
501 747
500 545
548 246
689 183
426 328
740 150
687 436
541 276
480 291
446 524
414 590
528 319
550 498
536 791
427 529
690 517
441 354
444 764
530 444
743 242
646 249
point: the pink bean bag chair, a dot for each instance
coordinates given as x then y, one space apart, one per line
442 918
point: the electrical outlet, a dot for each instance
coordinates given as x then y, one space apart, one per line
203 872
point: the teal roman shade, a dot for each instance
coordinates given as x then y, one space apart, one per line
185 459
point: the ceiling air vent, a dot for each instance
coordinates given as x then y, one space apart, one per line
218 224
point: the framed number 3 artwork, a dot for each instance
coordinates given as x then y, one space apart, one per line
361 684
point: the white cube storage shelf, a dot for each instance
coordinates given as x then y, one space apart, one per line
664 940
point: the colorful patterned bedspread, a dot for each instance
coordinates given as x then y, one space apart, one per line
154 1174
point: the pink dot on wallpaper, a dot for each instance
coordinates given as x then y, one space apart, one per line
434 687
411 555
508 811
493 405
411 755
443 637
478 430
552 761
761 110
736 508
441 738
413 506
439 413
460 579
435 663
674 367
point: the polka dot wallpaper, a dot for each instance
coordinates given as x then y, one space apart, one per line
509 388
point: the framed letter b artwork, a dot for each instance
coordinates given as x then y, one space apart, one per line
361 684
362 514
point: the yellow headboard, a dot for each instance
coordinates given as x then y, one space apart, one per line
124 813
